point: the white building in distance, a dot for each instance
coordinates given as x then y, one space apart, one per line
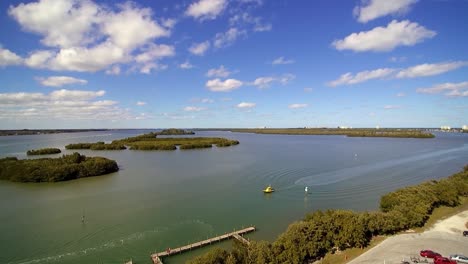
445 128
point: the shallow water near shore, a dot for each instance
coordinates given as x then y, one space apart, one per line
162 199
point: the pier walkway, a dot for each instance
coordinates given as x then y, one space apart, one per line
157 257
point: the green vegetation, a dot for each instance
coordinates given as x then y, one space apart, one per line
96 146
323 232
174 131
355 132
150 142
68 167
43 151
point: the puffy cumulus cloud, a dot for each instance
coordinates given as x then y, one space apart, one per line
9 58
228 85
372 9
114 70
199 48
186 65
267 81
132 27
218 72
429 69
155 52
228 38
141 103
246 105
449 89
349 78
88 37
421 70
60 105
281 60
379 39
64 23
206 9
193 109
59 81
296 106
149 67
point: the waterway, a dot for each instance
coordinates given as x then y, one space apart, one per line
162 199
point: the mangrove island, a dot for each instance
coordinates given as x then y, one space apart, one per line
44 151
67 167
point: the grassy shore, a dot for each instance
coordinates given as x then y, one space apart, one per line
355 132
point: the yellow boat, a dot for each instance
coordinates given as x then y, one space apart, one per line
268 189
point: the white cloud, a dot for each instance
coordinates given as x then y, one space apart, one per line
155 52
296 106
147 68
193 109
400 94
267 81
114 70
421 70
246 105
281 60
89 37
199 48
363 76
262 27
389 107
429 69
246 19
60 105
372 9
140 103
9 58
132 27
59 81
219 72
228 38
65 23
186 65
379 39
169 23
206 9
397 59
228 85
449 89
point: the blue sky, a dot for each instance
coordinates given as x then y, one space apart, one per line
233 63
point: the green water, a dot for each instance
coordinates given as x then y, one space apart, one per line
162 199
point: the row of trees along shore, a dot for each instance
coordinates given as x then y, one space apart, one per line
44 151
67 167
323 232
150 141
354 132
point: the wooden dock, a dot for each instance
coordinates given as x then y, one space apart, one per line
157 257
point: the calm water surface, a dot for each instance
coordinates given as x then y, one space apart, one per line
162 199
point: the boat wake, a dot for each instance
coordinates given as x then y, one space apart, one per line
336 176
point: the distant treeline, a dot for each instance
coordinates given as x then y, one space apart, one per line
96 146
150 141
175 131
68 167
322 232
43 131
43 151
354 132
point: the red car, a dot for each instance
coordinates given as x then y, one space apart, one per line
429 254
443 260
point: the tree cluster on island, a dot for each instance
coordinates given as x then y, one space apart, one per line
67 167
175 131
150 141
323 232
44 151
